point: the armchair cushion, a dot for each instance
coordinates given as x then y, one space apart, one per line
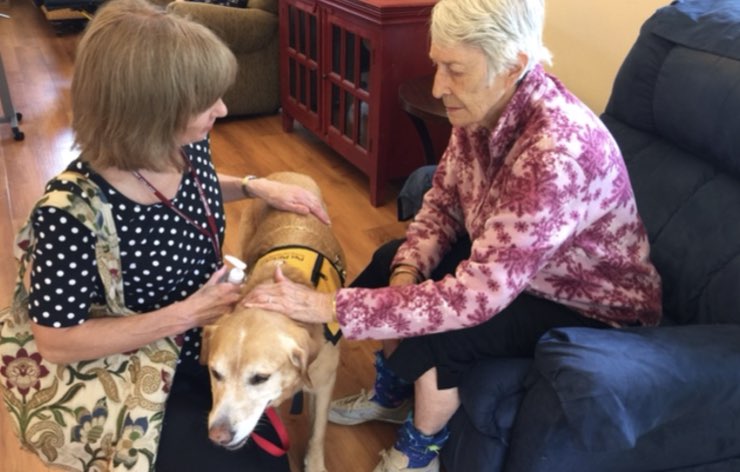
244 31
270 6
252 35
615 386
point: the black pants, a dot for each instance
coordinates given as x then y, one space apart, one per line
513 332
184 445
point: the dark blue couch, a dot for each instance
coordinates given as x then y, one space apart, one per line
642 399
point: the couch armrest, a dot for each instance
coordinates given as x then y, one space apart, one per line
614 386
243 29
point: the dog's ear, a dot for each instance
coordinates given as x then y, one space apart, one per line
205 343
299 357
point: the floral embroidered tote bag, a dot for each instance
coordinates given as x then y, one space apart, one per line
101 415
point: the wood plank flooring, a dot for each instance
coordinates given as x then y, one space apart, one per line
38 59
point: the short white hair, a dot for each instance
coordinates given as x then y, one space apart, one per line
500 28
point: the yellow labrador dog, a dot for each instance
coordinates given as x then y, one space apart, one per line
258 358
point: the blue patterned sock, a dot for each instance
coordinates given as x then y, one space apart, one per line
417 446
390 390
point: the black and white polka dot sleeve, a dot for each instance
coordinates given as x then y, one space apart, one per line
64 275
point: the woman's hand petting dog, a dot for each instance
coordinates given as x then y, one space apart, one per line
294 300
289 198
210 301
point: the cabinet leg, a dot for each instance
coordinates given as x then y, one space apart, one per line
287 122
377 192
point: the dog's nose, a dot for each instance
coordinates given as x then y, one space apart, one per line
221 434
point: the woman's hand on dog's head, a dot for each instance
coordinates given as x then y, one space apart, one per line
297 301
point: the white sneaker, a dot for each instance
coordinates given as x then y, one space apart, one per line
393 460
359 408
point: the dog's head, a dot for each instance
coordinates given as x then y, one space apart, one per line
256 359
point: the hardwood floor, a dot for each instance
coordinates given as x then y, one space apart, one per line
38 60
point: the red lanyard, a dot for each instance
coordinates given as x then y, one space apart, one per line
213 233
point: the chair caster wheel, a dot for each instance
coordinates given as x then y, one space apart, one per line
18 134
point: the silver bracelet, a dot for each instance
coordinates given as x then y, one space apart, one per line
245 181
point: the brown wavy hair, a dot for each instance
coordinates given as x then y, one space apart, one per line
140 75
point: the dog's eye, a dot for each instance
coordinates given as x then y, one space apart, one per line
216 375
257 379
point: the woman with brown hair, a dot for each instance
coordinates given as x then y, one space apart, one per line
115 323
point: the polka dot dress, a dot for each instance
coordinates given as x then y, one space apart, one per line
164 259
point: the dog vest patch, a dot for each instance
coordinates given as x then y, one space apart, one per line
320 270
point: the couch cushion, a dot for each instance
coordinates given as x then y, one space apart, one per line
695 105
614 386
709 26
490 452
673 112
681 80
543 442
690 210
490 394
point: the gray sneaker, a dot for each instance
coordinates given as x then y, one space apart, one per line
359 408
393 460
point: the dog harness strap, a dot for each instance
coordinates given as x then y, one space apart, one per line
319 276
316 271
282 432
296 405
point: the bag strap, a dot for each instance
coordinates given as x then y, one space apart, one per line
88 205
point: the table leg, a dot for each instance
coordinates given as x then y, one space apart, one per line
426 139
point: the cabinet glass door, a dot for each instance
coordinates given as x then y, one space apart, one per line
349 84
302 56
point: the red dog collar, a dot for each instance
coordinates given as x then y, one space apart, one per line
266 445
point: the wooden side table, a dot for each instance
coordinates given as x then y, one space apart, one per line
421 106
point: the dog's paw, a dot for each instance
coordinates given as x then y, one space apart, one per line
314 464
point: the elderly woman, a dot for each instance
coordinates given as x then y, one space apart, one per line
530 224
146 91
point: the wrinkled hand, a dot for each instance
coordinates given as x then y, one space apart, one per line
294 300
289 197
210 301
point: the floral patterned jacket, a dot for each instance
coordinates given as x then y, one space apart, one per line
548 205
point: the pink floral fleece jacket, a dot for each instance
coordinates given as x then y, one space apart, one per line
548 205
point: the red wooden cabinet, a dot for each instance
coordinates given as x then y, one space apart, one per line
342 62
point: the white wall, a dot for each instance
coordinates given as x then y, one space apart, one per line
589 40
